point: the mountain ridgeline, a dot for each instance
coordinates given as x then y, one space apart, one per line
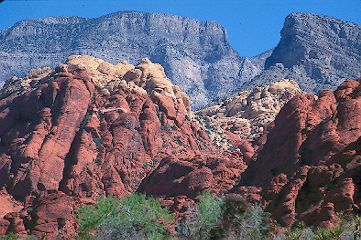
316 51
195 54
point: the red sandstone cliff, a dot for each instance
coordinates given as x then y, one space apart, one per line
91 128
309 168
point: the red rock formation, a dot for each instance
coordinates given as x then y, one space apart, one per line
176 176
90 128
312 158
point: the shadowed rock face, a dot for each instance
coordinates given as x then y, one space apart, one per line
309 167
90 128
317 52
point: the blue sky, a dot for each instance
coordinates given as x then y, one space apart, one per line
253 26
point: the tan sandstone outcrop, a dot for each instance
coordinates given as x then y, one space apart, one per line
247 115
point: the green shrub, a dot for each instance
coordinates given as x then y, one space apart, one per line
90 217
205 219
178 140
10 236
232 148
13 236
299 232
328 234
210 209
225 218
356 227
131 217
253 224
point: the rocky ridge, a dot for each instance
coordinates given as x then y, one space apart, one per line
318 52
90 128
308 169
196 55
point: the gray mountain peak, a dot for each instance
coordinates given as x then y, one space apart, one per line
315 51
195 54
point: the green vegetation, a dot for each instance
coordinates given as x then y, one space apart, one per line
228 217
206 218
232 148
13 236
348 228
253 224
210 209
329 234
132 217
178 140
10 236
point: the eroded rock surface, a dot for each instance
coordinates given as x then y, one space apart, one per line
246 116
90 128
196 54
309 167
316 51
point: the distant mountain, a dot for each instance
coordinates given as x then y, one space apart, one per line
315 51
195 54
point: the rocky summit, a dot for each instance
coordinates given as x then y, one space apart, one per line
89 128
318 52
315 51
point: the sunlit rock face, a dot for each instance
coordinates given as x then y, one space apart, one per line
309 167
249 113
315 51
89 128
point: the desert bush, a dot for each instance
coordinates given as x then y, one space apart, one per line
131 217
298 232
210 209
10 236
205 218
328 234
347 229
13 236
252 224
229 217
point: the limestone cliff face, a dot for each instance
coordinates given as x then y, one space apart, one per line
196 55
318 52
315 51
